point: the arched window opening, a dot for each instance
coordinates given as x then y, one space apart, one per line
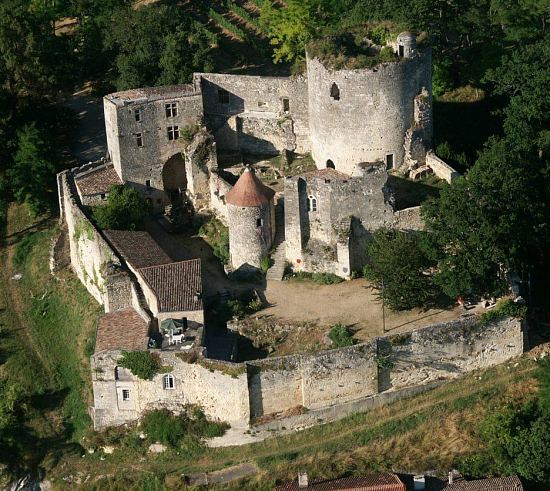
311 203
330 164
168 382
335 92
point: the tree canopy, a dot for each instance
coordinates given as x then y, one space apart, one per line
125 209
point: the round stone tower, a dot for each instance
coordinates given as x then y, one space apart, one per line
364 115
251 221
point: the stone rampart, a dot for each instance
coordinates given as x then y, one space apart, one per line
408 219
92 258
389 363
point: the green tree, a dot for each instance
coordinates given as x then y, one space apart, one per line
486 223
156 44
397 268
32 176
125 209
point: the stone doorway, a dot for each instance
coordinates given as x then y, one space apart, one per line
174 178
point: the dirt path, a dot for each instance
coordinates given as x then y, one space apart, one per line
352 303
90 142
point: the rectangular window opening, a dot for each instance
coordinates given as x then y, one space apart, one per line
139 140
223 96
286 105
389 161
137 115
125 395
171 109
148 184
173 132
259 222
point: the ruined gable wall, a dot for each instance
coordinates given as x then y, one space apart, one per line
222 396
375 110
258 102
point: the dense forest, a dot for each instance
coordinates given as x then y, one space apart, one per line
491 114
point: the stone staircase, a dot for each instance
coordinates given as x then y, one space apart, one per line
278 256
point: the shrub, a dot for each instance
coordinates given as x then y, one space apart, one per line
217 235
255 305
236 308
266 263
504 308
326 278
200 426
125 209
162 426
340 336
188 132
142 364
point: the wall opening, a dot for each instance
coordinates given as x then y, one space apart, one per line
335 92
286 105
311 203
259 222
401 50
174 179
389 161
330 164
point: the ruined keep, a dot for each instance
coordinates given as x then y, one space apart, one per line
357 123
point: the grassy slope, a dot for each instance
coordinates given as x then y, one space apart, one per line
48 322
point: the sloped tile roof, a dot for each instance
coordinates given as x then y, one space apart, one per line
97 181
124 329
373 482
176 285
137 248
510 483
249 191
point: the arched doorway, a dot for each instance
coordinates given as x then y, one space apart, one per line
330 164
174 178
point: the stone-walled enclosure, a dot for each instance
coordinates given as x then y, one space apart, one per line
241 393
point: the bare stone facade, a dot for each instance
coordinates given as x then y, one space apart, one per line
376 119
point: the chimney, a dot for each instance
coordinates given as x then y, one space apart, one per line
303 480
451 477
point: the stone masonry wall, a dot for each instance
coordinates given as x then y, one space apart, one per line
91 257
392 362
372 115
221 396
254 119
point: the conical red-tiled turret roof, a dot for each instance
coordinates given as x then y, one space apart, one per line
249 191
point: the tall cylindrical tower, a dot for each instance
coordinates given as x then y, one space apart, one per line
363 115
251 221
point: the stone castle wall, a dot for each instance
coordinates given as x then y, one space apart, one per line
242 392
374 111
92 258
221 396
255 118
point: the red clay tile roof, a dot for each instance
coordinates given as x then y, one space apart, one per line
176 285
249 191
373 482
138 249
124 329
97 181
511 483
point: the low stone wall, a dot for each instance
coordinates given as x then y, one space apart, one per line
408 219
441 168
